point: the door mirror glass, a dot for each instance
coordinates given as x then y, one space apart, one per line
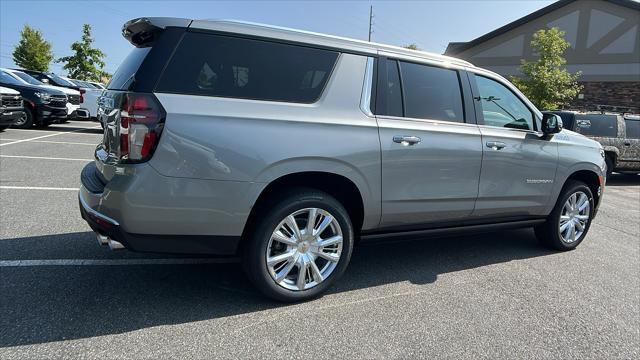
551 123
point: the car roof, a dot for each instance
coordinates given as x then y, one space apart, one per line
286 34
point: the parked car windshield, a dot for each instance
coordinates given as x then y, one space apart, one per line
8 79
60 80
28 78
83 84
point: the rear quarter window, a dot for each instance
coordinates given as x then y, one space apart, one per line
597 125
225 66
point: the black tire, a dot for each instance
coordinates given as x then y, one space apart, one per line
609 161
270 215
27 121
548 233
3 127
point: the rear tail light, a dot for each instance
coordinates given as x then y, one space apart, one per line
82 91
141 123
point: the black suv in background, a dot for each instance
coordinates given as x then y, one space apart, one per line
42 105
55 80
618 134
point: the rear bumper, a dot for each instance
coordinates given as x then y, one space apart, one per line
173 244
105 210
82 113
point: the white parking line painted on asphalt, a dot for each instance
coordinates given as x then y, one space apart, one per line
48 135
7 187
55 142
42 158
113 262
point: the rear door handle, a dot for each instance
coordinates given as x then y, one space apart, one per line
627 144
496 145
406 139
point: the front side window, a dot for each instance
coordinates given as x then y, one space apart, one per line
501 107
214 65
431 92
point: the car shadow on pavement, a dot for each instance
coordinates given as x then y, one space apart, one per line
42 304
623 179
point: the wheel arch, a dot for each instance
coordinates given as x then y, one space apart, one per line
591 179
612 151
339 186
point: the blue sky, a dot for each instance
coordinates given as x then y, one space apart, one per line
430 24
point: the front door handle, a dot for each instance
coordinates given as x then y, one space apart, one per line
496 145
406 140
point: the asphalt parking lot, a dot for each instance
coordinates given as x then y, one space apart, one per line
496 295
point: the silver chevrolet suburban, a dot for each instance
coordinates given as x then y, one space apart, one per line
285 147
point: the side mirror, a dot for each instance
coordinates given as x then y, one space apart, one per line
46 81
551 123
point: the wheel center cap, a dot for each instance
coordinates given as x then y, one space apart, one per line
303 247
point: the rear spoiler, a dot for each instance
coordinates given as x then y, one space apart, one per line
142 32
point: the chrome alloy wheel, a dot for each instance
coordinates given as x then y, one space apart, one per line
22 119
574 217
304 249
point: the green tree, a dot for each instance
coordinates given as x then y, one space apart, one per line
86 62
33 52
412 46
545 81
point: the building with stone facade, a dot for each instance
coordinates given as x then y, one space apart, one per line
605 46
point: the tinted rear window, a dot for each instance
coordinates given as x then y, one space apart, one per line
213 65
633 129
597 125
124 76
431 93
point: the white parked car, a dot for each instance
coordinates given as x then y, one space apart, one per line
30 80
89 96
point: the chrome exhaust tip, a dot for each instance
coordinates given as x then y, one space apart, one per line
114 245
103 240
